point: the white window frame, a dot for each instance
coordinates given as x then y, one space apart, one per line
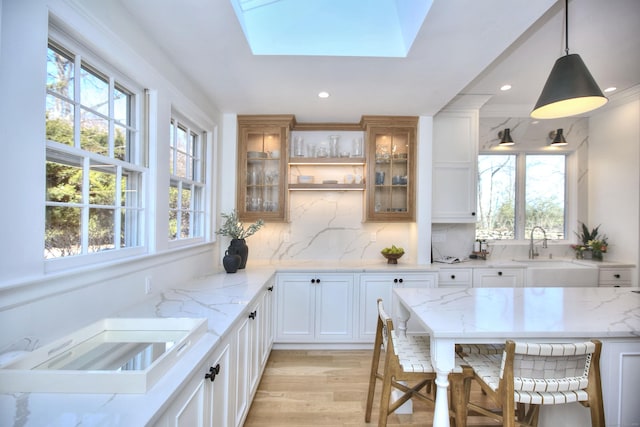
571 195
137 164
199 184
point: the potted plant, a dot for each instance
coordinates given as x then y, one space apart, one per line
235 229
592 244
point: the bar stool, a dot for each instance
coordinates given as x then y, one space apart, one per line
538 374
408 358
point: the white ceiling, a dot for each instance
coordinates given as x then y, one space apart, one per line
464 47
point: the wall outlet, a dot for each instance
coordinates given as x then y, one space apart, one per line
147 285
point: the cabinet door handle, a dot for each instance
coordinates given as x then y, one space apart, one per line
453 276
313 280
317 280
270 288
617 276
213 371
499 273
473 214
253 314
400 280
395 280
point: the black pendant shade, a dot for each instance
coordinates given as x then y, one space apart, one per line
557 138
505 137
570 90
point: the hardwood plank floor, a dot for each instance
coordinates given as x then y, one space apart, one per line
327 388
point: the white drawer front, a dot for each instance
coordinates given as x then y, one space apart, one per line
455 277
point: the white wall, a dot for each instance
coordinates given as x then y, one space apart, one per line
614 175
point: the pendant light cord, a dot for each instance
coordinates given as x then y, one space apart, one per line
566 28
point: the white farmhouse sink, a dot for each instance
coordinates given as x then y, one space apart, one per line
548 272
114 355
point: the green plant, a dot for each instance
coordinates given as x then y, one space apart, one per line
591 240
235 229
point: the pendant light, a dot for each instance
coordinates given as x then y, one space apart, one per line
505 137
570 88
557 138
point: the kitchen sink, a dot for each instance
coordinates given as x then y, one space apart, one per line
548 272
113 355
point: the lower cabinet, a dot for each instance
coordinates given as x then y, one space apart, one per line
376 285
455 277
498 277
616 276
204 400
220 393
314 308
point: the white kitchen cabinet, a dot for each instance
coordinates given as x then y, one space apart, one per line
204 399
615 276
498 277
372 287
455 157
455 277
314 308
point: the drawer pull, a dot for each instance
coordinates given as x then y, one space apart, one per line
617 276
213 371
253 314
453 277
499 273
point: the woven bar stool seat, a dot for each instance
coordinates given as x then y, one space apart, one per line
408 359
538 374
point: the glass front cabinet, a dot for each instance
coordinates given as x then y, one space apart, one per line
391 145
262 171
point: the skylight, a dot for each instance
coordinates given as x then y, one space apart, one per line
377 28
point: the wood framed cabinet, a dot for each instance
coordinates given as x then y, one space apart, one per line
455 158
314 308
391 152
262 167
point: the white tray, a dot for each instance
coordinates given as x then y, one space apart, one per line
113 355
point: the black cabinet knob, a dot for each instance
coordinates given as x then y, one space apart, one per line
313 280
400 280
473 214
270 288
395 280
253 314
453 276
499 273
617 276
213 371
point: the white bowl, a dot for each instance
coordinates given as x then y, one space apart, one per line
305 179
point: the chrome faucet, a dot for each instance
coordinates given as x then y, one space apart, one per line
532 252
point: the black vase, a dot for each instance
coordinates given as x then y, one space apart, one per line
231 262
239 247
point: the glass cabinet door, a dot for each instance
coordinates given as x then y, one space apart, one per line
261 172
391 174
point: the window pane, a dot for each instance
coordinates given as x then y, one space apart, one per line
94 133
186 198
496 197
60 72
120 142
62 232
59 120
181 165
121 106
94 91
545 195
64 182
101 223
184 225
102 184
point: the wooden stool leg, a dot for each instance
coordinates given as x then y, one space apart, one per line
372 383
384 400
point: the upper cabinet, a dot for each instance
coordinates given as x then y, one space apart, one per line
262 166
455 154
391 148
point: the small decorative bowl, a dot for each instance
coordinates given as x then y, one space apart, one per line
392 258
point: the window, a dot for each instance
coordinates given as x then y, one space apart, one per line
517 192
187 182
94 171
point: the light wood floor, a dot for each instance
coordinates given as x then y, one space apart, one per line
327 388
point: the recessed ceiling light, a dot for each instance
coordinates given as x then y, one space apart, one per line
323 94
610 89
505 87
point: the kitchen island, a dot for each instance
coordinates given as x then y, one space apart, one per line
492 315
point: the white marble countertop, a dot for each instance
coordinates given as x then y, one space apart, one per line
470 314
220 298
